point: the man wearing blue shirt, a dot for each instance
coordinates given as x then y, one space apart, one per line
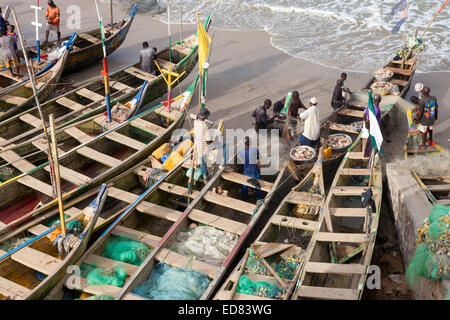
250 156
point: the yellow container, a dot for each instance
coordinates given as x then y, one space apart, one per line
185 146
172 161
327 153
164 149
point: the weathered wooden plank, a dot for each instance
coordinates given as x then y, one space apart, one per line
14 100
348 212
405 72
356 155
218 222
103 262
16 161
398 82
327 293
72 176
172 115
242 179
91 95
140 74
42 145
148 126
342 127
294 222
123 139
98 289
355 172
12 290
229 202
143 237
178 190
78 134
31 120
320 267
351 191
37 185
351 113
343 237
439 187
99 157
37 260
304 197
121 86
73 105
88 37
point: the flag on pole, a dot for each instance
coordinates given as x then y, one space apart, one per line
402 7
375 132
204 42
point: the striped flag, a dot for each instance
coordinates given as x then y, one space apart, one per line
402 7
375 132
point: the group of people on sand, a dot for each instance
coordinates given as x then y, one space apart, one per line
426 113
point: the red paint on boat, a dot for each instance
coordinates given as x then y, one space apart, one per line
17 210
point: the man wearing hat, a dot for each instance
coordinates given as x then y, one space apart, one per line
201 138
311 132
53 20
419 87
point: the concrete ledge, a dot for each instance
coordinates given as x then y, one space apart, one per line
411 207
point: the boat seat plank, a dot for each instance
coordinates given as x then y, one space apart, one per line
229 202
405 72
102 120
42 145
37 185
180 261
351 191
439 187
132 296
296 197
328 293
14 100
138 73
178 190
123 139
88 37
348 212
356 155
409 62
342 237
351 113
12 290
104 263
37 260
13 158
143 237
121 86
164 64
74 106
78 135
342 127
91 95
172 115
242 179
31 120
99 157
355 172
72 176
98 289
445 202
398 82
218 222
335 268
294 222
148 126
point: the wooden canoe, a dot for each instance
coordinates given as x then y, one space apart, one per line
88 100
17 95
287 234
342 249
31 270
88 49
97 151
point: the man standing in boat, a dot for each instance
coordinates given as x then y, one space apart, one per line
345 91
249 157
337 100
311 132
294 106
202 138
427 115
146 57
53 21
8 53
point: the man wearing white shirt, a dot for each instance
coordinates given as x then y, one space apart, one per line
311 132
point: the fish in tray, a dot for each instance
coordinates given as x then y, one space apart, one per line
303 153
382 88
383 73
339 141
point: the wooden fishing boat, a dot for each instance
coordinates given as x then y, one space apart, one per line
92 152
32 269
339 260
340 122
158 216
286 238
17 94
88 49
89 100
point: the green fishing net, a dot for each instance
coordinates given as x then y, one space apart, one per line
259 288
284 265
13 243
431 259
75 227
114 276
169 283
55 220
152 175
126 250
100 297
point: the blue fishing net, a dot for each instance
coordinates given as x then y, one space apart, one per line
169 283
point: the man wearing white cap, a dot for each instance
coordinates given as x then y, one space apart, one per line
311 132
419 87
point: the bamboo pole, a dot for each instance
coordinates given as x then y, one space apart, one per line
33 86
57 174
181 24
243 265
112 20
434 17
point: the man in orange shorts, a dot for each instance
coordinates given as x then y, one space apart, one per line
53 19
8 53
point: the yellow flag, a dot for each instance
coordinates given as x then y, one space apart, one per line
204 42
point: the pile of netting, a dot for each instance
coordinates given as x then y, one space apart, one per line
206 244
152 175
284 265
169 283
126 250
436 165
260 288
432 256
114 276
13 243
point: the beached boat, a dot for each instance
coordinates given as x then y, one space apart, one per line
155 220
17 94
341 253
91 152
88 49
272 264
89 99
32 269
